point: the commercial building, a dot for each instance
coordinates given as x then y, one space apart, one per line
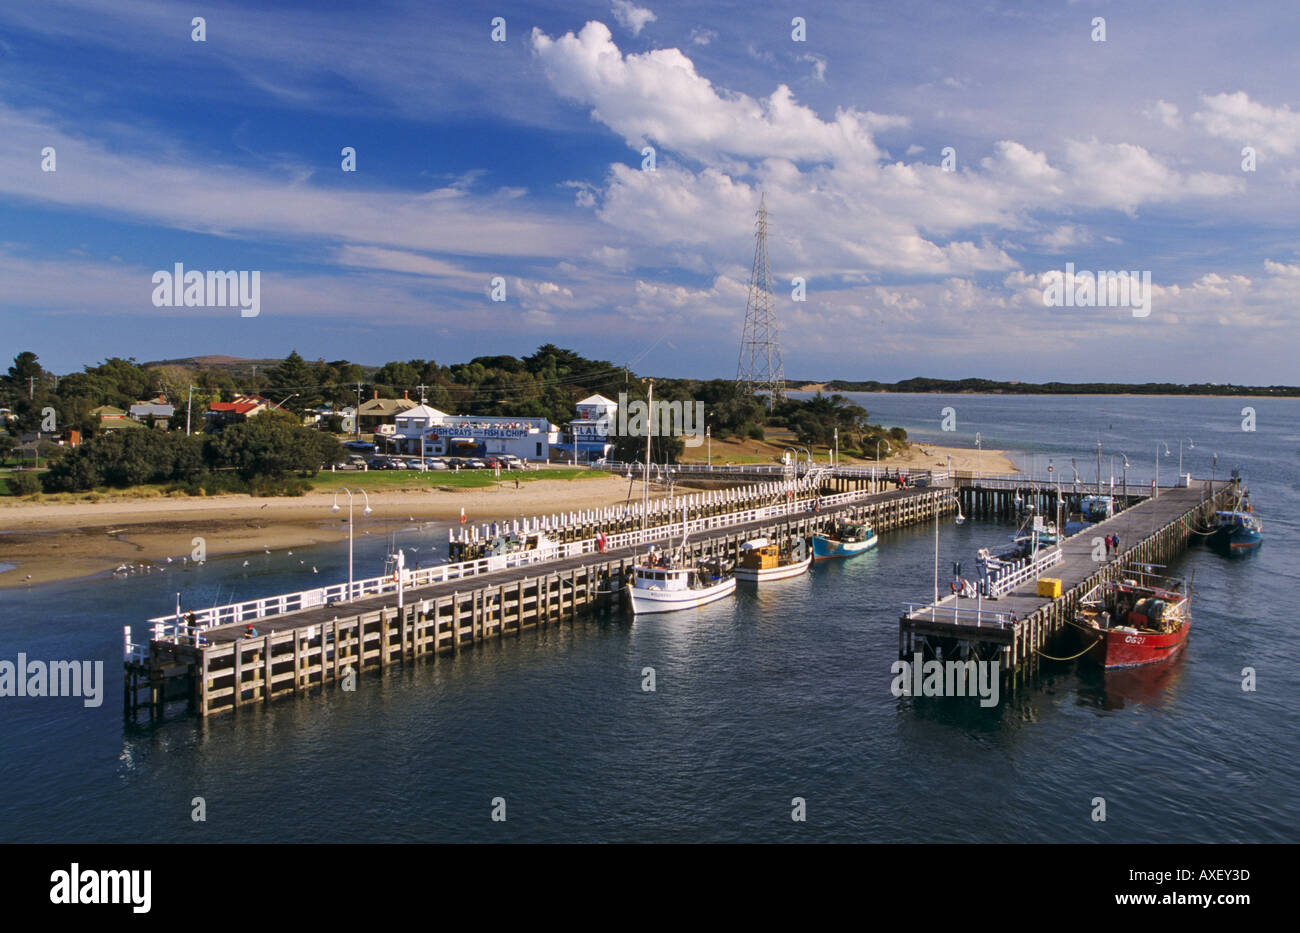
425 430
589 432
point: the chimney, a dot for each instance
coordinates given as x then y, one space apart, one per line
376 393
406 395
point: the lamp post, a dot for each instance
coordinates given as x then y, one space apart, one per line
335 508
1191 446
979 472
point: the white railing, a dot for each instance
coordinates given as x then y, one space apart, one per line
1031 570
958 614
188 627
133 652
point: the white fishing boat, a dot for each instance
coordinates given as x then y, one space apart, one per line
762 561
660 584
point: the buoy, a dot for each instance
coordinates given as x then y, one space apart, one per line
462 514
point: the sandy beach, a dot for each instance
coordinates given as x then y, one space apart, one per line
54 540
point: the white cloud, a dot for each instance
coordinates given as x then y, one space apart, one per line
659 97
1162 111
632 17
1245 122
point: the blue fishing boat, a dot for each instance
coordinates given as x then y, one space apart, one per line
846 539
1236 531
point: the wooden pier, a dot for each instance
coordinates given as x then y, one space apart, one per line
1017 626
219 668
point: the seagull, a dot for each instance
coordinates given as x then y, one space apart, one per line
314 570
245 563
291 553
267 551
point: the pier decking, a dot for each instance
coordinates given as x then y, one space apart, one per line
1020 623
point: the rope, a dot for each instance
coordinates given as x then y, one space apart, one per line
1044 654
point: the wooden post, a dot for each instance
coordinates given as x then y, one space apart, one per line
239 671
266 667
297 659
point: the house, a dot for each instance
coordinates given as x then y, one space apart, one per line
589 432
158 409
327 415
113 419
376 412
241 408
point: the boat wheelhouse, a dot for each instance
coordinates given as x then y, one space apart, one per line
762 560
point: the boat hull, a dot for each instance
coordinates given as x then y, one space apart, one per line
769 574
1236 540
1117 648
647 601
825 548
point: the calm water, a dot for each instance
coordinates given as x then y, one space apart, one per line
759 700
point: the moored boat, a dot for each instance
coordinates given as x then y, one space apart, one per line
660 584
762 561
846 539
1236 531
1143 619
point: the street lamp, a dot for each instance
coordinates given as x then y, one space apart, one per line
1191 446
335 508
979 473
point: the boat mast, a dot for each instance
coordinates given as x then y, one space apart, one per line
645 493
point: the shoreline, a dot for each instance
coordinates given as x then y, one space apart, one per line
47 542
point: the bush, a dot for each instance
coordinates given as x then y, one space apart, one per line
754 432
24 484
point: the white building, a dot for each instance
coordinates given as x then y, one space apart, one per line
589 432
424 430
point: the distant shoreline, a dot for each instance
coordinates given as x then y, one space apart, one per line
829 387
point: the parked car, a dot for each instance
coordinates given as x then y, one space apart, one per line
474 463
437 463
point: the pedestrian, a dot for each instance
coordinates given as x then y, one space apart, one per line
1115 542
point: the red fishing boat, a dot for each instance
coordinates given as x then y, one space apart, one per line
1142 619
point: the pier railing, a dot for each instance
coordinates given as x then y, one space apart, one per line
950 609
187 628
1032 570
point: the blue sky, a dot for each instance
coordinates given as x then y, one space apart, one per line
522 159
